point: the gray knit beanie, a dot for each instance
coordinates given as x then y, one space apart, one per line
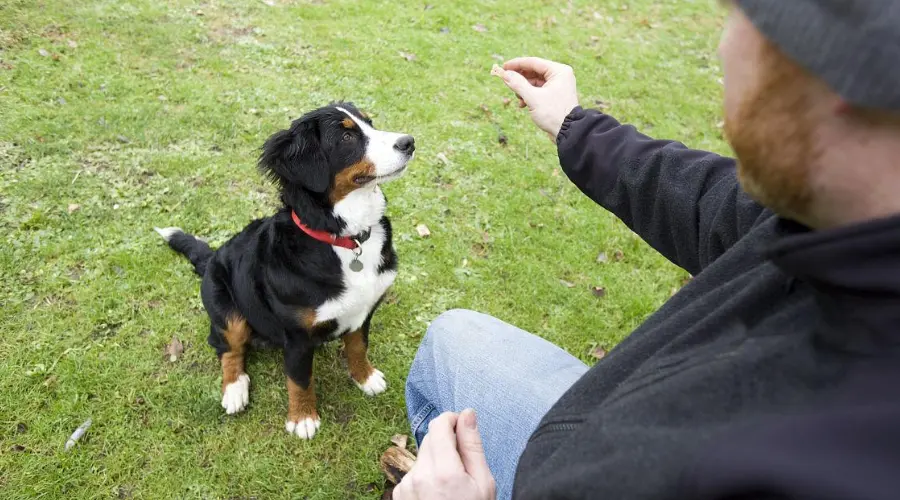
852 45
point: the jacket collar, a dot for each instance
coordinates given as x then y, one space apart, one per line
854 270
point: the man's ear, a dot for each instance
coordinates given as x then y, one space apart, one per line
295 156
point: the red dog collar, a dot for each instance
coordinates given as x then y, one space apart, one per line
325 236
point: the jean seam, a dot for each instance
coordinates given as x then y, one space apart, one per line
420 417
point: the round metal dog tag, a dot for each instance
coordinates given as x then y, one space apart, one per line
356 266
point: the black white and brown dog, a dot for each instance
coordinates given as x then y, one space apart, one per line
313 272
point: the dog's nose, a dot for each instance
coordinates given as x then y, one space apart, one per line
406 144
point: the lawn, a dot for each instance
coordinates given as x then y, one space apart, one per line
117 116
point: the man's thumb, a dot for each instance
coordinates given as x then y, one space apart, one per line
518 84
471 450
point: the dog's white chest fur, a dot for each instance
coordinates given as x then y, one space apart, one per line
361 289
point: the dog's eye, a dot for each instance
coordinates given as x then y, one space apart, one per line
347 137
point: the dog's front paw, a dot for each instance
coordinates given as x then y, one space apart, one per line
236 395
375 384
305 427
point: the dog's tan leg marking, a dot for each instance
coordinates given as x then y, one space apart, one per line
303 419
235 382
366 377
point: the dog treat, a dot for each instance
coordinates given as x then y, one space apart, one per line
498 71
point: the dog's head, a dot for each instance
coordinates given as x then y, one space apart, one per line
333 151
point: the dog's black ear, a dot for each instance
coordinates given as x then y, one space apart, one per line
295 156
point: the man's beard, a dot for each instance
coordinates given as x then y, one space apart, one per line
771 133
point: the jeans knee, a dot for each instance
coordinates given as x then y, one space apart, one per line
450 327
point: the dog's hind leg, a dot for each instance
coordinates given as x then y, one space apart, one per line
230 336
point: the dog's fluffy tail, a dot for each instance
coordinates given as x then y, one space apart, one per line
195 249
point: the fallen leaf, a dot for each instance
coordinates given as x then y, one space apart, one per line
555 172
122 139
567 284
618 255
506 101
443 158
409 56
73 207
199 12
480 28
444 31
400 440
602 258
253 111
423 231
43 53
598 353
428 6
486 110
174 349
21 428
72 43
595 39
18 448
720 124
598 291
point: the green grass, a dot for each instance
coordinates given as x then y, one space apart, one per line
150 113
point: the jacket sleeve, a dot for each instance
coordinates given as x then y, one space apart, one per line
685 203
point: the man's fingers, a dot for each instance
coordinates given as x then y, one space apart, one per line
471 450
518 84
439 445
536 65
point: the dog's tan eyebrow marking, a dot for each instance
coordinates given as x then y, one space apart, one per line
348 123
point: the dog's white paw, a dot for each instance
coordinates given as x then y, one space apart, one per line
375 384
236 395
305 428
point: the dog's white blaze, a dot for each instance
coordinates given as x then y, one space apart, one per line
361 290
380 148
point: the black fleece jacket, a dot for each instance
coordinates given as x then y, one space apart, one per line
774 374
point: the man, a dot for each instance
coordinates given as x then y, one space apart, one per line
776 372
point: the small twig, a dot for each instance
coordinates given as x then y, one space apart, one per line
76 176
77 434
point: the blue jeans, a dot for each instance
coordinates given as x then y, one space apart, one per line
509 376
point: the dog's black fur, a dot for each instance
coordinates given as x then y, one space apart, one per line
272 274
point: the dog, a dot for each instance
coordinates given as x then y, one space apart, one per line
315 271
